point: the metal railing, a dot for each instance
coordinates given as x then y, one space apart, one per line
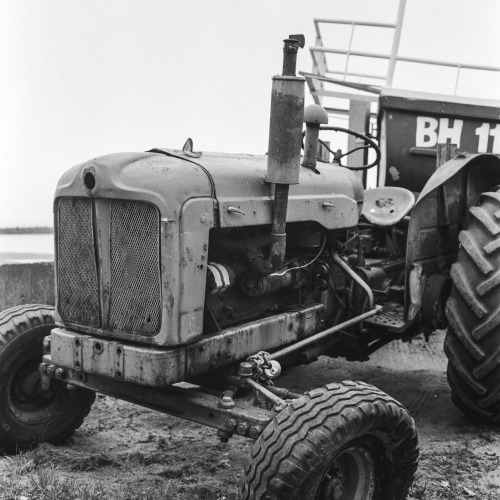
342 76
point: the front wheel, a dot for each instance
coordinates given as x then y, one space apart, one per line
29 415
344 441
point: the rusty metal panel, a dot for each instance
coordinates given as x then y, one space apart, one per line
78 291
242 341
163 181
285 129
182 402
124 362
332 212
102 217
197 218
159 367
241 185
135 292
170 265
167 182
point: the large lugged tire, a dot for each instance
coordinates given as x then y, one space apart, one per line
29 415
344 441
472 343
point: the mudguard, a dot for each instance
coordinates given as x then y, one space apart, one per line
442 209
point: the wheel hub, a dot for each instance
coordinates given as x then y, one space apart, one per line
351 476
27 398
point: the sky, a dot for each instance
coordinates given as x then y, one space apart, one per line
84 78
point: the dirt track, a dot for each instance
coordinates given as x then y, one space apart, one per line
121 443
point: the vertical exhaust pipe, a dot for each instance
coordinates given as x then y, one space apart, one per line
285 139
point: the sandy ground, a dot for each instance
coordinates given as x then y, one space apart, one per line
120 443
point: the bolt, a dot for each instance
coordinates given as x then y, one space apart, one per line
230 424
203 218
226 402
224 436
60 373
255 431
242 428
43 367
51 369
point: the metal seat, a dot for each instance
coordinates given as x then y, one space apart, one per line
386 206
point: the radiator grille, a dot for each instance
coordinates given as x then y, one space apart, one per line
135 295
78 292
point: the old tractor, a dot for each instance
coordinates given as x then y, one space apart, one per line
186 281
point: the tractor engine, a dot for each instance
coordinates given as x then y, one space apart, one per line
162 250
237 292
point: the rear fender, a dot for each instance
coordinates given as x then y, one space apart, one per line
442 210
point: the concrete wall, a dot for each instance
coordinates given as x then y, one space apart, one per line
26 283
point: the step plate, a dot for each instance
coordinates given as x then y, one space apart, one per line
391 317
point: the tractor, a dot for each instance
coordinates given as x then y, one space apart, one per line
185 282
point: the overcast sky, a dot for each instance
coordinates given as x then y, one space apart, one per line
90 77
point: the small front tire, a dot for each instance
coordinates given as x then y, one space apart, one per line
344 441
29 415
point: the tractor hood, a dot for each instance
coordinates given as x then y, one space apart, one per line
168 178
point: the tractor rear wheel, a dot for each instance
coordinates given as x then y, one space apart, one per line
472 342
29 415
343 441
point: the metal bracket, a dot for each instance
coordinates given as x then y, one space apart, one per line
261 367
190 403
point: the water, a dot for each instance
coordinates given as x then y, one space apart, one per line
26 247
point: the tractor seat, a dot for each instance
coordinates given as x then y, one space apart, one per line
386 206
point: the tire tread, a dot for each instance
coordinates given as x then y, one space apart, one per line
472 342
294 427
22 320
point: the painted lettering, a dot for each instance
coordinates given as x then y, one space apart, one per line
483 132
426 132
449 133
495 133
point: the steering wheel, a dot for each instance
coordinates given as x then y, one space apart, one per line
337 156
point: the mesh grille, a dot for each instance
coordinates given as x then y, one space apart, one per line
77 270
135 298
